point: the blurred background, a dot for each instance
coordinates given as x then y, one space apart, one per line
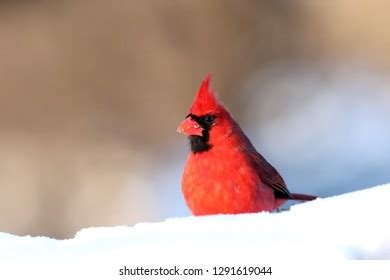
92 93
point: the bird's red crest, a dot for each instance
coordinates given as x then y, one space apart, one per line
205 101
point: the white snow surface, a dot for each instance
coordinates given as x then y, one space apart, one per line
349 226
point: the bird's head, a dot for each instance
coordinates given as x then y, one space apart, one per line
208 120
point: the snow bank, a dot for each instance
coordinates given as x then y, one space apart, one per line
349 226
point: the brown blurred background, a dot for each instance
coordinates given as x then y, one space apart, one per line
92 92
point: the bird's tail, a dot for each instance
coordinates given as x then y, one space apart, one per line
302 197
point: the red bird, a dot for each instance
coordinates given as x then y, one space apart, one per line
224 173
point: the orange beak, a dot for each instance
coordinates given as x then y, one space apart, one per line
190 127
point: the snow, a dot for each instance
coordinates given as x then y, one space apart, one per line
345 227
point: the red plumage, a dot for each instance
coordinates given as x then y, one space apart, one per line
224 174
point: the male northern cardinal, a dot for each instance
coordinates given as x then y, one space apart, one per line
224 173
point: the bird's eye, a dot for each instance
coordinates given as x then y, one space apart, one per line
209 119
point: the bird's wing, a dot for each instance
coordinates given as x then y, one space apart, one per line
269 176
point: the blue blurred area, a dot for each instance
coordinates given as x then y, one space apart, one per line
324 126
